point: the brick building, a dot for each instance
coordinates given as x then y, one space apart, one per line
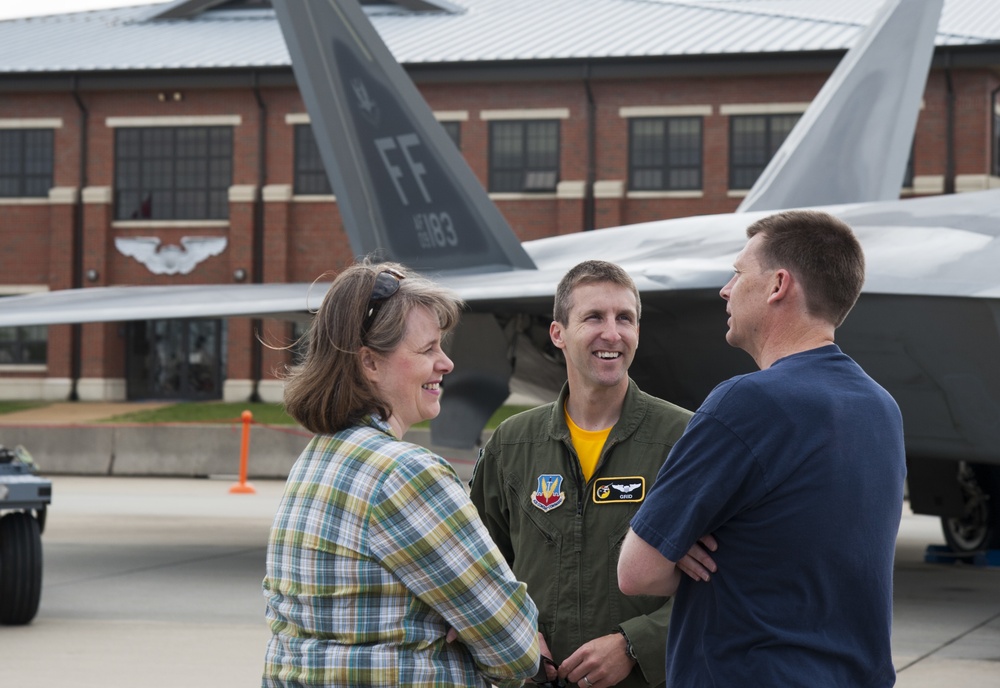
169 145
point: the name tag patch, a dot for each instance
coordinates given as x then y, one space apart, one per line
630 489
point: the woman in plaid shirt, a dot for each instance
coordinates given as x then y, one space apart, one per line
379 571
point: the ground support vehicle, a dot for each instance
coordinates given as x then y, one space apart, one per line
24 499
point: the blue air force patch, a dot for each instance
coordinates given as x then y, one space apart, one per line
631 489
549 494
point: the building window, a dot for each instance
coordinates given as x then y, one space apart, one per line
173 173
665 153
524 156
454 131
310 175
25 162
753 141
23 345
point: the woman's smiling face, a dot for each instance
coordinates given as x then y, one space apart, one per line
409 378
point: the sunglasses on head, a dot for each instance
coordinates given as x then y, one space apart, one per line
386 284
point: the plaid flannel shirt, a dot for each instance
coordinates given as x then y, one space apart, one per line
375 552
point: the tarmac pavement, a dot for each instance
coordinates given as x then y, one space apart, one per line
155 582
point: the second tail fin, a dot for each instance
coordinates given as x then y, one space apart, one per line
853 142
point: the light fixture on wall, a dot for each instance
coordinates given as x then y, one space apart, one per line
176 96
92 275
239 274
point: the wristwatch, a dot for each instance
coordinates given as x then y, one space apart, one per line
629 649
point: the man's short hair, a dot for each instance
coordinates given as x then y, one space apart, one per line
821 251
590 272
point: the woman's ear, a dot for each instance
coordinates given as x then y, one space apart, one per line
369 363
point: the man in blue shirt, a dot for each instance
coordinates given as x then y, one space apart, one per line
796 470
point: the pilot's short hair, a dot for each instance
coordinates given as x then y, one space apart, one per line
821 251
329 390
590 272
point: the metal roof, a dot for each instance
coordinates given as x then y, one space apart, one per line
464 31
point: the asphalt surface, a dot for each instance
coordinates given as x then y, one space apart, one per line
156 582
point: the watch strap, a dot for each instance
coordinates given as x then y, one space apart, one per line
629 648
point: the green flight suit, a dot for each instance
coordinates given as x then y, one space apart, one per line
562 536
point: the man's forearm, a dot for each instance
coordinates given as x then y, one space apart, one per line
642 570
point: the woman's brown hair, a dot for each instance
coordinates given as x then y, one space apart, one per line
329 390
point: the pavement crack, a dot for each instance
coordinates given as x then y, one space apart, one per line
951 641
155 567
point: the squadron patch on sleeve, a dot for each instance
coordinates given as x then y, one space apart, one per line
630 488
549 494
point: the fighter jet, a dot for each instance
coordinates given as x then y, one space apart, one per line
926 326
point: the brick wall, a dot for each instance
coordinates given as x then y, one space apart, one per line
303 240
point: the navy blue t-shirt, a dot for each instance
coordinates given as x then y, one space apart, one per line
798 472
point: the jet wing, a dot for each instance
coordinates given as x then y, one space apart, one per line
115 304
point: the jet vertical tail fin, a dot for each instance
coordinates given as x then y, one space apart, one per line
403 189
854 140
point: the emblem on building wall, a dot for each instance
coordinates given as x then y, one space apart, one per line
171 259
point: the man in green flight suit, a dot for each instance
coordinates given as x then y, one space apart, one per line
557 486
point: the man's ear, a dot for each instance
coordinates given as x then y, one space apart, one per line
556 334
781 285
369 363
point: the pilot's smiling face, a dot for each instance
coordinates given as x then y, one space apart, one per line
601 335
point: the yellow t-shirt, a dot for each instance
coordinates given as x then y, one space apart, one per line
588 444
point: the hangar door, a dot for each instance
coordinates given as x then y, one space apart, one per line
175 359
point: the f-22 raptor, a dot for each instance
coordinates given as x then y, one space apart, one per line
927 326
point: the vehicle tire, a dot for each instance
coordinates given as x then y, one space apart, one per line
978 528
20 568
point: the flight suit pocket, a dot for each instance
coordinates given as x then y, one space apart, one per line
539 547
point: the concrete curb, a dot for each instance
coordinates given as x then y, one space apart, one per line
179 450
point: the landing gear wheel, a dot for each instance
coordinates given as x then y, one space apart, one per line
970 533
978 528
20 568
